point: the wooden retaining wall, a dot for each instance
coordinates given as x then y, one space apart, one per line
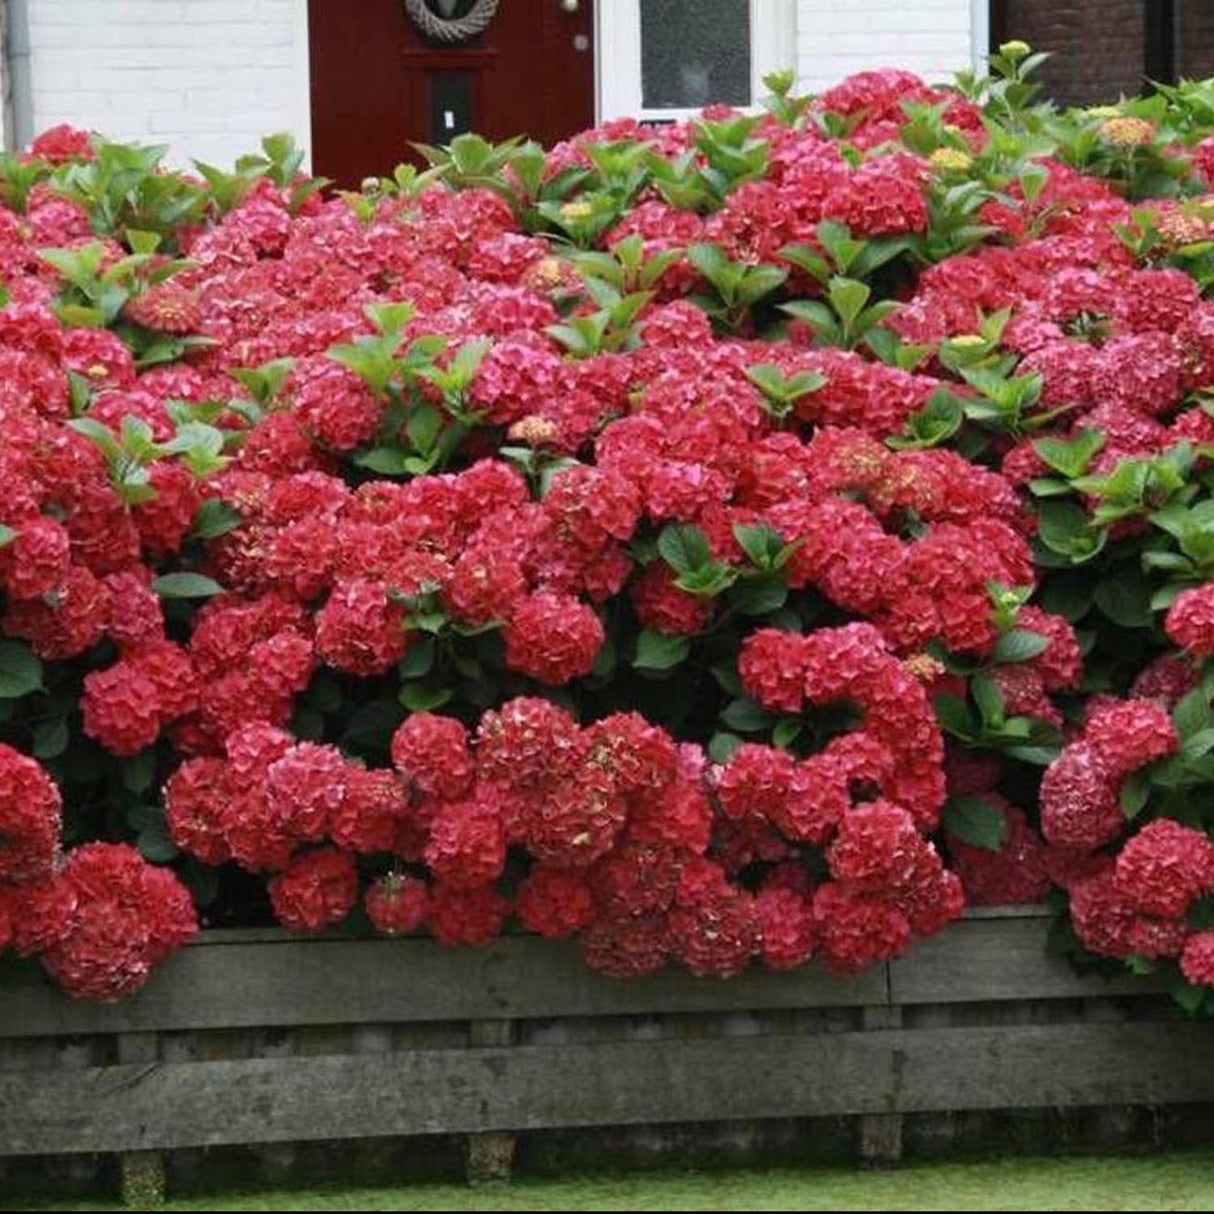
249 1037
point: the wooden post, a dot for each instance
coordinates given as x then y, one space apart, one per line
881 1133
141 1173
490 1154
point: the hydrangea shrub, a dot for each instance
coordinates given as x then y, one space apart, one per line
753 538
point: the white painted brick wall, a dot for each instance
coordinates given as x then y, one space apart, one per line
837 37
208 77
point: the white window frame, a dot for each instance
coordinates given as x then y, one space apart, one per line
773 45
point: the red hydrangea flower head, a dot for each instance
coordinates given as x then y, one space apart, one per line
1190 620
471 917
755 782
431 753
30 819
628 947
634 755
317 890
553 638
397 904
877 848
716 933
787 929
1080 807
1127 735
555 903
858 930
1165 867
467 846
772 667
128 917
576 821
62 143
1197 960
527 743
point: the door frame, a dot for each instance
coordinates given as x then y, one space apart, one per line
617 68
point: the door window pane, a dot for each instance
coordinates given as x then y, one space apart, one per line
694 52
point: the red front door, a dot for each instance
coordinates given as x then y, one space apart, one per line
379 84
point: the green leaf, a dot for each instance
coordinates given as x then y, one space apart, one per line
390 317
722 745
418 698
102 435
746 716
50 739
605 660
1167 595
1198 744
1048 486
1190 998
139 771
155 845
727 679
1135 793
786 732
419 659
708 580
684 547
1070 458
954 715
201 880
423 427
387 461
1020 645
1068 595
78 316
1065 528
186 586
1038 756
1126 599
215 518
1192 713
658 651
989 699
20 670
761 542
759 596
848 297
976 821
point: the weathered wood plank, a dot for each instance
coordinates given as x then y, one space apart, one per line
287 981
880 1134
141 1174
489 1155
162 1106
995 959
284 981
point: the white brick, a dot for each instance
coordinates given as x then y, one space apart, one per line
838 37
207 77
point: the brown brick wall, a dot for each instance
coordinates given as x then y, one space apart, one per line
1097 45
1195 39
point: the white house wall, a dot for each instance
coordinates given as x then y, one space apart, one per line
209 77
931 37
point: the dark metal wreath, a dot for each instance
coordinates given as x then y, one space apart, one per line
451 29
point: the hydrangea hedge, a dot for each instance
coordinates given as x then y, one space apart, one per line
748 538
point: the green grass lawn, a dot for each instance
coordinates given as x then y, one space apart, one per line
1174 1182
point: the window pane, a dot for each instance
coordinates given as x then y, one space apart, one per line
694 52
